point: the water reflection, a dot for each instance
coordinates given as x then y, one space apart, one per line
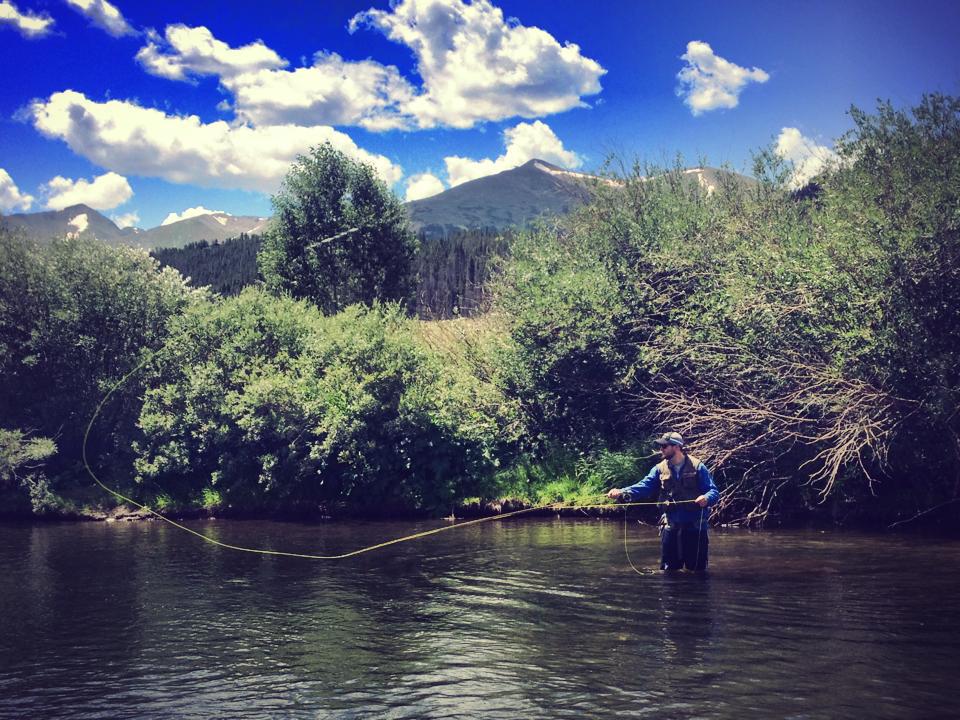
535 619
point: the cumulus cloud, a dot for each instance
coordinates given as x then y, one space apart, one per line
477 66
807 157
104 15
708 81
190 213
332 91
10 196
188 51
127 138
126 220
28 24
523 142
102 193
422 186
474 66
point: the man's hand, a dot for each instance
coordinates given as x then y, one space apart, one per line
701 501
615 493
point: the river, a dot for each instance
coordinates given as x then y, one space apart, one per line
538 618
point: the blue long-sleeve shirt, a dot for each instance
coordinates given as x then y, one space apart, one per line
684 513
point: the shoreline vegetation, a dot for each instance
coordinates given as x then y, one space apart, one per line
802 333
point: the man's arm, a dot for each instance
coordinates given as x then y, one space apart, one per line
644 488
708 490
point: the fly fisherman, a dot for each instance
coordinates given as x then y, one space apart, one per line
678 477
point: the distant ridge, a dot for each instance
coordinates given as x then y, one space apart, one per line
84 220
76 219
510 199
216 226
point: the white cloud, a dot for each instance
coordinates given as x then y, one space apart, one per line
29 25
188 51
808 158
477 66
332 91
10 196
104 15
474 66
422 186
709 81
190 213
79 224
102 193
126 138
524 142
126 220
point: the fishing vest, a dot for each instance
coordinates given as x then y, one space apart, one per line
686 486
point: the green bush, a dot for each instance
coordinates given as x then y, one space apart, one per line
272 404
75 316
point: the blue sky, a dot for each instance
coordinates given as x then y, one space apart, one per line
148 110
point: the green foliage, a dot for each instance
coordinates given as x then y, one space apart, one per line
162 502
559 475
805 341
74 318
452 271
273 404
568 321
210 498
21 471
339 236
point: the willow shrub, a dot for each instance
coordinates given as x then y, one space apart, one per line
273 405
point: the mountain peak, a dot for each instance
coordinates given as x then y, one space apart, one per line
540 164
77 209
511 198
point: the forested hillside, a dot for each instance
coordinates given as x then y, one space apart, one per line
225 267
452 271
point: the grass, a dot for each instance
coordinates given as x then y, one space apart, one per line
568 478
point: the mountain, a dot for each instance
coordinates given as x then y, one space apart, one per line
712 179
76 219
512 198
218 226
517 197
82 219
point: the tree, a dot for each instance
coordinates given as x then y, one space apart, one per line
339 236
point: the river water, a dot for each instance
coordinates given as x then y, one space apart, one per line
514 619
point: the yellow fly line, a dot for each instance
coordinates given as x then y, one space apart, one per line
341 556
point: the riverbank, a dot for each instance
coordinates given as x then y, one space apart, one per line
941 528
469 510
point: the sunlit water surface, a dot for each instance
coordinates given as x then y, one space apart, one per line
512 619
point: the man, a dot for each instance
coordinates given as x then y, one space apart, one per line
686 488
